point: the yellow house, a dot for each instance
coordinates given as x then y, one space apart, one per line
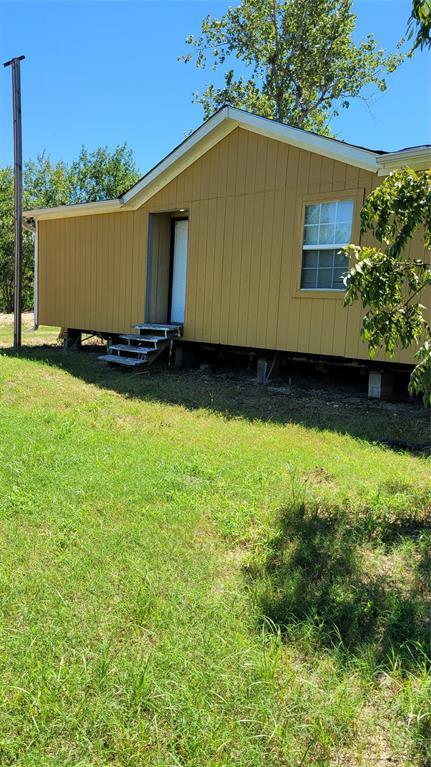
232 239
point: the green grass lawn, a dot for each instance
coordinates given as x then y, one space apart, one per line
196 571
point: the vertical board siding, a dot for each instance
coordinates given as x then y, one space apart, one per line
244 202
93 271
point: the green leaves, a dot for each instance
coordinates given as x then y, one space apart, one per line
396 209
7 248
388 281
419 25
102 175
420 380
98 175
301 64
46 184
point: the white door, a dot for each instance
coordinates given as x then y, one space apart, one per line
179 271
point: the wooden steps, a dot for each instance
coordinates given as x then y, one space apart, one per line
143 347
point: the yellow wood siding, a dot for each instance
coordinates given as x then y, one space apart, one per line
92 271
244 199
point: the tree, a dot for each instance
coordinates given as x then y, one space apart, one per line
6 239
97 175
419 25
299 63
390 282
101 175
7 248
46 184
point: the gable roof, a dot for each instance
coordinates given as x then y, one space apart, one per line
213 130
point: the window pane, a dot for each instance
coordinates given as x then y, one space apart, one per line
341 260
312 214
342 233
327 213
326 258
338 282
309 278
310 258
324 278
311 235
345 211
326 224
326 234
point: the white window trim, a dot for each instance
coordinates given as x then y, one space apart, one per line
324 246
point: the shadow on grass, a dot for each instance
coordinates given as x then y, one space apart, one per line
366 594
234 393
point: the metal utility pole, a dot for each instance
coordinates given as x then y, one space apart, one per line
17 147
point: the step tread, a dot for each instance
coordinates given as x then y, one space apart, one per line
115 358
138 337
157 326
132 349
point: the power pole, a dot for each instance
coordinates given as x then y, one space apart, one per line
17 148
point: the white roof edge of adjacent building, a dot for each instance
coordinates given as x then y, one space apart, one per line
416 157
208 135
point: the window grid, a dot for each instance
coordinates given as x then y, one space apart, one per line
325 273
321 270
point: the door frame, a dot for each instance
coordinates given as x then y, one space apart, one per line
174 219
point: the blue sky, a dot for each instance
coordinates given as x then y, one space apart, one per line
101 73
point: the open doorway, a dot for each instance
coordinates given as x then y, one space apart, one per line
166 268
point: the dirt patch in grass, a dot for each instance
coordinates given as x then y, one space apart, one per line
7 320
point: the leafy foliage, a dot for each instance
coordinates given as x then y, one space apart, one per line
46 184
390 282
7 248
97 175
93 176
100 175
299 63
420 24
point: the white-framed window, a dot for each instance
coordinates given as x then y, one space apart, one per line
327 229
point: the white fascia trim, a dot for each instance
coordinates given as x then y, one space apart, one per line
418 158
68 211
311 142
200 142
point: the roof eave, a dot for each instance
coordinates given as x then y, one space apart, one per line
70 211
417 158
